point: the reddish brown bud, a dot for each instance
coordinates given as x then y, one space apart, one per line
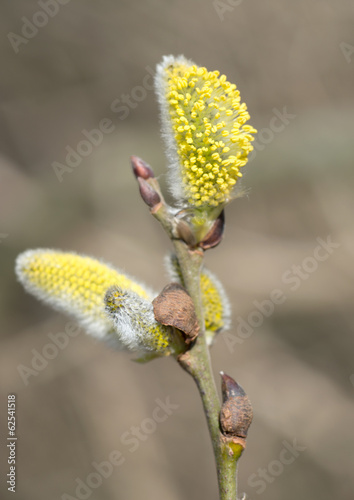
174 307
148 193
214 236
141 168
236 411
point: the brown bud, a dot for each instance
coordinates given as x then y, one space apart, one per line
141 168
185 233
174 307
236 411
214 236
148 193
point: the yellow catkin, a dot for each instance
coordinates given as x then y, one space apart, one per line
213 304
109 304
208 122
74 284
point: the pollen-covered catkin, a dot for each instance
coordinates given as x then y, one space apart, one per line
74 284
204 125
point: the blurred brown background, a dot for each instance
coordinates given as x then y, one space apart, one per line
294 59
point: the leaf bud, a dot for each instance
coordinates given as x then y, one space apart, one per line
236 411
148 193
141 168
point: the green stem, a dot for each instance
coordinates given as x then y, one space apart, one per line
197 363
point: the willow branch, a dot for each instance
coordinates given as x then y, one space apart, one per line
196 362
